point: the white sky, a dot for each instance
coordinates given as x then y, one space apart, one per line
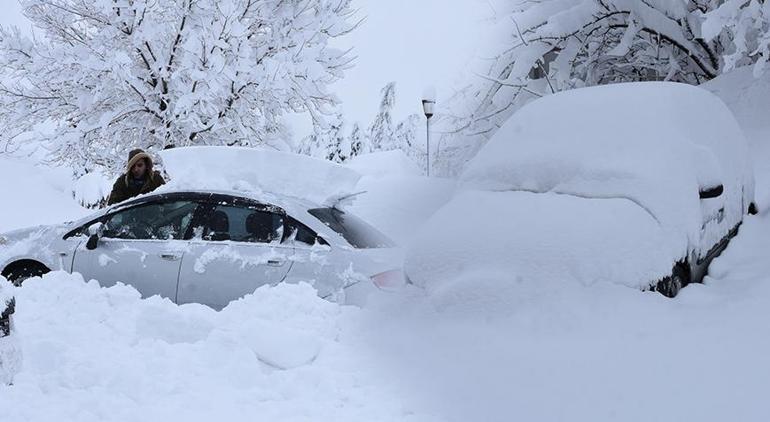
416 43
10 14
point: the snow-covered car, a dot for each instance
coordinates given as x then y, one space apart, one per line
209 247
641 184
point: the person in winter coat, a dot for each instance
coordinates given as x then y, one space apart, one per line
138 179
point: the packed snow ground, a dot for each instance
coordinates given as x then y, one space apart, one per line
535 352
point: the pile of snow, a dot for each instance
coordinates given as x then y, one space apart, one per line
395 197
399 205
491 350
92 188
546 238
254 169
621 166
383 164
103 354
33 194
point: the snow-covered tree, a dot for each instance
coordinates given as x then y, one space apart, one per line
381 129
561 44
554 45
744 26
405 136
337 144
356 141
113 75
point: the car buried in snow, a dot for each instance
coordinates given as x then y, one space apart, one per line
641 184
214 246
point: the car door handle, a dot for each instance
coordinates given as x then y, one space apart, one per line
274 262
169 256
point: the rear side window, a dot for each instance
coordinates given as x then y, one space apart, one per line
243 224
356 231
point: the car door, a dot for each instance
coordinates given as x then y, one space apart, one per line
240 249
141 246
713 226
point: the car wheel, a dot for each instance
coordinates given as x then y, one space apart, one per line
671 285
17 273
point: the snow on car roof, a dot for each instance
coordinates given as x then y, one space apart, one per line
654 143
257 170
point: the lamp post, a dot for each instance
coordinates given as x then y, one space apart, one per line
428 103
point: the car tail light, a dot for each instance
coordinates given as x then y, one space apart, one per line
389 280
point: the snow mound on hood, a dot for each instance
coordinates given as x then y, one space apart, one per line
254 169
543 238
653 143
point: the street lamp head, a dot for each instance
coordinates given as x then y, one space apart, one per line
427 107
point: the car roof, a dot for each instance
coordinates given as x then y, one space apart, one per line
287 203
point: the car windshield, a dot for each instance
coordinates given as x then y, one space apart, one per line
356 231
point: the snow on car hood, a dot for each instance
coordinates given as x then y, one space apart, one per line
253 169
652 143
543 238
32 242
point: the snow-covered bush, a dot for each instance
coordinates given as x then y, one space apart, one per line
111 76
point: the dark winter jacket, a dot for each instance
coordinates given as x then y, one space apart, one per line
125 188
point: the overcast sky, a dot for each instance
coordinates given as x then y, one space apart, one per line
416 43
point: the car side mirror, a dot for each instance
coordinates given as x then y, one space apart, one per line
711 192
94 232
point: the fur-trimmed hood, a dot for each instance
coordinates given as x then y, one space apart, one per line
133 157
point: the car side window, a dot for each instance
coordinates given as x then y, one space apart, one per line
243 224
160 220
302 233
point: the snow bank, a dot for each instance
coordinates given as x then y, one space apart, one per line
399 205
384 163
653 143
252 169
33 194
103 354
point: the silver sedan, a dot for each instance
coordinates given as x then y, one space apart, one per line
211 247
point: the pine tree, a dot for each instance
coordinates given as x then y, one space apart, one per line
381 130
337 150
356 141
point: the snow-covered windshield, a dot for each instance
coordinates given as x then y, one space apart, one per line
356 231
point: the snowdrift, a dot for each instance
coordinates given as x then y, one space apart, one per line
383 164
33 194
104 354
253 169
